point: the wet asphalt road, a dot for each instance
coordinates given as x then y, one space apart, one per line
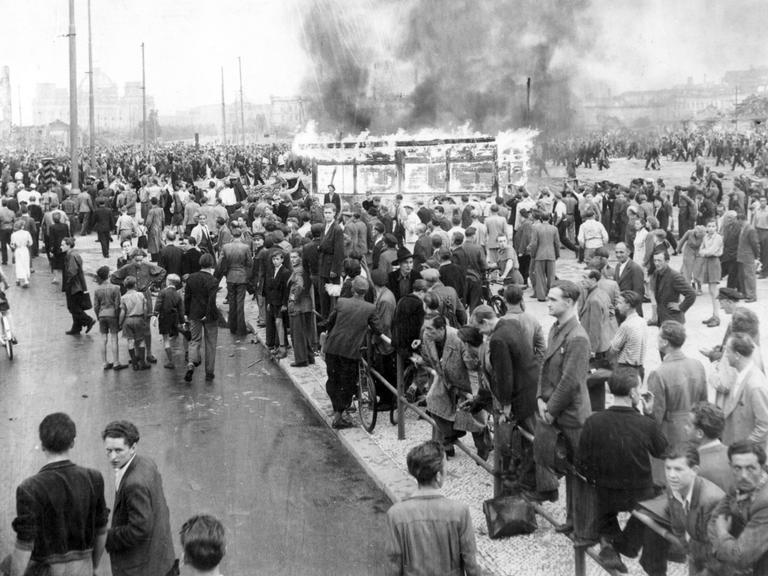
246 448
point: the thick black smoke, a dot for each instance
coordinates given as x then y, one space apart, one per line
471 59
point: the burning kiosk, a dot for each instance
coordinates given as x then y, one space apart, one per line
418 166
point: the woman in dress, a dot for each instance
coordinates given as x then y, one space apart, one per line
638 243
689 245
707 267
21 243
300 313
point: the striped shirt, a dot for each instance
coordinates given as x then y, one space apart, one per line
629 341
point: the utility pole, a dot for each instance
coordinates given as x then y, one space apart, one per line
223 111
91 111
143 102
73 147
242 112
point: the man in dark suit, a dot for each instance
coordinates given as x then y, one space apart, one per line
139 542
563 398
235 264
171 256
629 274
202 315
103 224
331 261
668 286
400 281
347 327
332 198
544 250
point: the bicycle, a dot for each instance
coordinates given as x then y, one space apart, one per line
6 338
495 301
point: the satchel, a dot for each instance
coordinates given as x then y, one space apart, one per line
550 448
509 516
85 301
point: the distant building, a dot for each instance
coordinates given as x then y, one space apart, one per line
113 112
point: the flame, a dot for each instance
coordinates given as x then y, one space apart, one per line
430 144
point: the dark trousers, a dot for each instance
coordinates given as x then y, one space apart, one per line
325 299
525 266
341 385
447 435
301 336
572 436
200 330
747 279
731 270
5 240
104 239
762 236
273 312
75 306
474 293
386 365
562 229
545 277
85 223
236 319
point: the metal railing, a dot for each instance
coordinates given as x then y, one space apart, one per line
580 551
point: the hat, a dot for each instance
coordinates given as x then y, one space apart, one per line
430 275
729 294
524 212
402 254
379 277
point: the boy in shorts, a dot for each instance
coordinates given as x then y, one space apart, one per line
106 306
169 314
134 311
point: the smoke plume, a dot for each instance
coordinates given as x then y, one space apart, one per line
469 61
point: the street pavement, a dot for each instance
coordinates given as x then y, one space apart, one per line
246 448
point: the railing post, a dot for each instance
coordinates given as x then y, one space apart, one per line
400 395
579 561
497 459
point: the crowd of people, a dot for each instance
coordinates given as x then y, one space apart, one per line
326 272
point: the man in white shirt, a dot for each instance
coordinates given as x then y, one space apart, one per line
746 406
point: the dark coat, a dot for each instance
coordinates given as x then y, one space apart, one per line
406 325
668 286
393 282
453 276
171 258
103 220
140 542
200 297
514 368
348 325
331 251
276 287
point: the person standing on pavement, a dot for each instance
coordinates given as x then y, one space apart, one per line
331 253
106 306
629 275
147 274
544 250
103 224
428 533
7 217
171 257
202 315
594 315
347 327
747 254
61 521
169 315
236 265
300 313
139 540
668 286
135 310
760 222
74 286
563 398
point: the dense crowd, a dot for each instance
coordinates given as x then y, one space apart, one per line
416 275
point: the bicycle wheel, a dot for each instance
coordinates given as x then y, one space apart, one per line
366 400
498 305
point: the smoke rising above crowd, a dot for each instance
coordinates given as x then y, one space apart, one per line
464 61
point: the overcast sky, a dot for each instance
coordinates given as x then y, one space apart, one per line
643 43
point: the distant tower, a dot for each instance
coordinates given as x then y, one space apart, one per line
5 102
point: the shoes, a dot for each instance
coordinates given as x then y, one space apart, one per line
72 332
14 341
119 366
281 353
299 364
566 528
341 424
385 407
712 322
108 366
611 560
541 496
151 359
169 365
91 323
652 323
188 374
750 300
483 454
450 451
210 376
